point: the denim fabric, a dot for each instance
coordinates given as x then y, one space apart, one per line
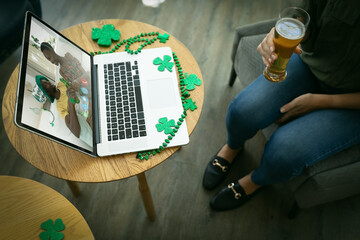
299 143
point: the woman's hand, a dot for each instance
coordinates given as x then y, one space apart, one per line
267 49
298 107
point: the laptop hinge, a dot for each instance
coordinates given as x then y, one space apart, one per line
95 105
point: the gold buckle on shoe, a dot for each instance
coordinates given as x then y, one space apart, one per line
216 163
237 195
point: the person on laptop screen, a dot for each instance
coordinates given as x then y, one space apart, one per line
70 67
66 106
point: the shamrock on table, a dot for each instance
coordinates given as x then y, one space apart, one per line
52 230
191 80
189 103
166 125
105 35
163 37
164 63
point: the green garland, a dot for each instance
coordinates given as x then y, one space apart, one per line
148 39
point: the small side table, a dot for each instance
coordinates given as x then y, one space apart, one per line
26 204
73 166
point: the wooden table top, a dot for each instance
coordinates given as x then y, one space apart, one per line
26 204
65 163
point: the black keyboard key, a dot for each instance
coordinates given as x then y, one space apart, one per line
115 137
110 66
141 121
139 104
141 115
128 133
128 125
122 134
121 128
142 134
135 127
135 134
142 127
128 66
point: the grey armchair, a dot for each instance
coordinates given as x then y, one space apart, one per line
331 179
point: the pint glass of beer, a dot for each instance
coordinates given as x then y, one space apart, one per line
289 31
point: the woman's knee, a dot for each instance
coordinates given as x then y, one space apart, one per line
283 159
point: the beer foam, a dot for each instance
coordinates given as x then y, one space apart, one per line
290 28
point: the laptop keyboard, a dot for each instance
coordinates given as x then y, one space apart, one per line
124 109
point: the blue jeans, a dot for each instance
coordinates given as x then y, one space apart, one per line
299 143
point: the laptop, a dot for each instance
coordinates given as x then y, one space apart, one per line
100 105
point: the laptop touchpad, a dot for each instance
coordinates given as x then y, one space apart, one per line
161 93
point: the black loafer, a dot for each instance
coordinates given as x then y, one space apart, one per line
233 196
215 172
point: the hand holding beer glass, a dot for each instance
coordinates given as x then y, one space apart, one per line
290 29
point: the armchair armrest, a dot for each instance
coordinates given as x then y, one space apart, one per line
249 30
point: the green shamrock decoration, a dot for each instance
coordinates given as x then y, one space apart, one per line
189 103
166 125
105 35
191 80
163 37
52 230
164 64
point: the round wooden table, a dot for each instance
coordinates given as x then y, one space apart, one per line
26 204
73 166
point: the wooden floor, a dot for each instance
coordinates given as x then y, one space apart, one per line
114 210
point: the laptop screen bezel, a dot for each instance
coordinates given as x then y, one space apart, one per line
21 86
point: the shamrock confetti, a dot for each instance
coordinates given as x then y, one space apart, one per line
166 125
52 230
163 37
191 80
105 35
189 104
164 63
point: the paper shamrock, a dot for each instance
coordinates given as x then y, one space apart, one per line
191 80
164 63
163 37
189 104
105 35
166 125
52 230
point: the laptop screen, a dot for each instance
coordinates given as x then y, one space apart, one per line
54 93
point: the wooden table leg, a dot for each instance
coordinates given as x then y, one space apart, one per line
146 196
74 188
